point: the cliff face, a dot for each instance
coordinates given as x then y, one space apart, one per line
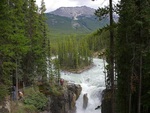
65 103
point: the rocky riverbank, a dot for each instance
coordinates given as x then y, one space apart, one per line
79 71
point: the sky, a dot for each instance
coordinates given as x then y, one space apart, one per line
52 5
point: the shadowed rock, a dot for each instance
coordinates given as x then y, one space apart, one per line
85 101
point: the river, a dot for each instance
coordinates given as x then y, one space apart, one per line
92 83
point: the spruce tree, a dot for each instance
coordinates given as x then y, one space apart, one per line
5 52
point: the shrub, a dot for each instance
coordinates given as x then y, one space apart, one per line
38 100
30 109
26 109
56 90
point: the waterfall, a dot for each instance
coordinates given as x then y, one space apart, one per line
92 82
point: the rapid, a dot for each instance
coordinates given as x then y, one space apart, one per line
92 82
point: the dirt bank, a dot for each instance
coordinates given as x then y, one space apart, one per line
78 71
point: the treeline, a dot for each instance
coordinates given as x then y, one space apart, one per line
131 57
98 40
76 51
73 53
24 46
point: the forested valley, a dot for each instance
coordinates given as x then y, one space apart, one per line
31 56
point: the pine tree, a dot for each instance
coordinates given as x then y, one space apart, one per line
5 52
13 42
33 58
43 39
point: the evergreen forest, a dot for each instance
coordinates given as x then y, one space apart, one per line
32 56
24 46
128 56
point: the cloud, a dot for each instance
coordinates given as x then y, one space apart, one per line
54 4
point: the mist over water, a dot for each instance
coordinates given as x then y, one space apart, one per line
92 82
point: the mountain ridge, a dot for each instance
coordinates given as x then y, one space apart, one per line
74 20
74 12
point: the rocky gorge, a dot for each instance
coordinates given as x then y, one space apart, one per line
70 100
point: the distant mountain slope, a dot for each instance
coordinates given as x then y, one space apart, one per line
73 12
74 20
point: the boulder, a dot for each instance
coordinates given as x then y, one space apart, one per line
85 101
66 102
75 88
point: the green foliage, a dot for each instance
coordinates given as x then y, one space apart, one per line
57 69
38 100
99 40
23 42
52 87
146 78
56 90
132 48
102 12
3 92
26 109
73 53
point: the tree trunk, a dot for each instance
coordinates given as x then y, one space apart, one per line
140 65
16 81
140 85
111 54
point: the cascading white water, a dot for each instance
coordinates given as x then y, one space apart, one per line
92 82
